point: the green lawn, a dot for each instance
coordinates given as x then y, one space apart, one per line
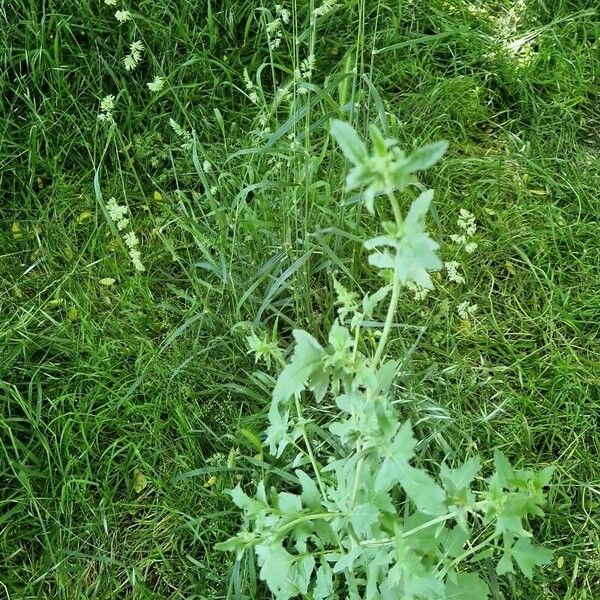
127 396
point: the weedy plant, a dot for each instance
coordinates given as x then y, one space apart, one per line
359 518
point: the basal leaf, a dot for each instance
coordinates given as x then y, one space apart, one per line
529 556
468 586
385 375
397 455
311 497
505 565
427 495
275 568
461 477
323 589
243 501
286 575
289 503
347 560
363 517
277 431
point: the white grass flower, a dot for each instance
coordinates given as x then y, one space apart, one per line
325 8
107 104
249 85
133 59
206 166
466 221
466 309
283 95
122 16
136 259
182 133
130 239
116 211
275 42
420 292
453 274
273 27
177 128
247 81
157 84
214 190
129 63
111 2
308 66
283 13
458 238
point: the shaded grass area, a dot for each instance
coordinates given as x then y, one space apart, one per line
110 392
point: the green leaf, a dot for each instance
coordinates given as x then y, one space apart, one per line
427 495
468 586
369 304
347 560
286 575
505 565
543 478
243 501
504 471
385 375
277 431
529 556
323 589
311 498
457 483
379 142
289 503
306 361
462 477
348 140
233 544
453 540
415 251
425 157
399 452
363 517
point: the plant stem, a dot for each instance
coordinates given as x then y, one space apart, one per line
311 455
389 320
281 532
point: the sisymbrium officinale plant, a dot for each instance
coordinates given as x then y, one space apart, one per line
356 515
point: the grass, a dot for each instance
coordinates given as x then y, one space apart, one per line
121 403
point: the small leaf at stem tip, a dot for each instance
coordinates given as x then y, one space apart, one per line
348 140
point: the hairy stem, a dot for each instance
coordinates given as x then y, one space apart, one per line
311 455
389 320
